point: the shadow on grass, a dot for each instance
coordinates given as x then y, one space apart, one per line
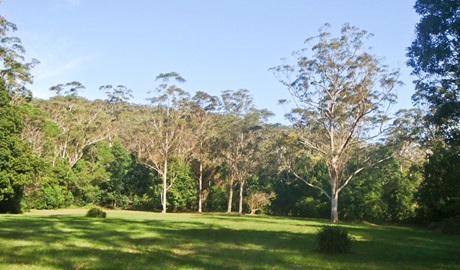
69 242
405 247
210 242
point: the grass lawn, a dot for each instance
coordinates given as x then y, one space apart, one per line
66 239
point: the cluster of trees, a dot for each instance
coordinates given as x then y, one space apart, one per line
434 56
183 152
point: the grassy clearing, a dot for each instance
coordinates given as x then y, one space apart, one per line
66 239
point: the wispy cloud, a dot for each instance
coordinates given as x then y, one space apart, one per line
47 71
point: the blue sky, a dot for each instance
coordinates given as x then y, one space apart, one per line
214 44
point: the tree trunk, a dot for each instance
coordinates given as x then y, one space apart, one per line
230 196
200 192
334 206
240 209
163 192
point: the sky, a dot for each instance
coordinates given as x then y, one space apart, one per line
215 45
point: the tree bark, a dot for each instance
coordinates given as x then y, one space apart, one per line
163 192
334 206
240 208
230 196
200 192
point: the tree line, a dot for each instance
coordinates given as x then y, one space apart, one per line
200 152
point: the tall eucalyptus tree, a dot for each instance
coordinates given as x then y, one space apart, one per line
160 134
203 129
342 92
81 122
241 127
116 103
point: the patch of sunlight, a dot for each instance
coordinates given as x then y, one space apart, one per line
25 267
22 243
63 228
358 237
184 250
131 250
144 234
370 224
65 211
248 246
83 244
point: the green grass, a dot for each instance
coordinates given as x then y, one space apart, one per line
66 239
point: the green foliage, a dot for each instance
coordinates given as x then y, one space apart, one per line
114 188
183 194
294 198
138 184
50 197
90 172
17 163
216 200
334 239
438 195
110 176
96 213
434 59
14 71
363 200
383 193
399 194
144 202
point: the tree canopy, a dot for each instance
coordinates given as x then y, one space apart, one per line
342 92
434 56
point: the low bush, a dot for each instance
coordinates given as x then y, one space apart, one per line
334 239
96 212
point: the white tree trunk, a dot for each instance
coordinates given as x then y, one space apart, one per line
240 209
164 190
230 196
200 192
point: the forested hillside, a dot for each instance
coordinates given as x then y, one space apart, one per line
184 151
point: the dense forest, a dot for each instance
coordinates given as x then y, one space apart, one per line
198 152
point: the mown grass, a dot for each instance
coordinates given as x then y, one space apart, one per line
139 240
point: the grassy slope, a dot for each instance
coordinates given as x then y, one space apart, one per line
136 240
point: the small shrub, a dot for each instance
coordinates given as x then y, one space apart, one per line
333 239
96 212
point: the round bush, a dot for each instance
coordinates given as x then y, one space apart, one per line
334 239
96 212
